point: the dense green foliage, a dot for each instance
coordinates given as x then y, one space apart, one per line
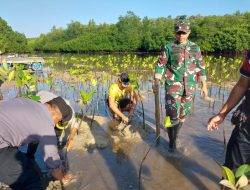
11 41
228 33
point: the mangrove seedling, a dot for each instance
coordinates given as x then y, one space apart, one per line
237 180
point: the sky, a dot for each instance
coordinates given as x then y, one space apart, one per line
33 17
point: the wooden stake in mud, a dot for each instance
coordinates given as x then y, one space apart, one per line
157 114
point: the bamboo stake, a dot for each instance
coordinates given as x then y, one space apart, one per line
157 114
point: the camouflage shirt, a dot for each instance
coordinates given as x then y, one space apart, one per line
181 64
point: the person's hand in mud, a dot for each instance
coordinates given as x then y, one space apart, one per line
125 119
156 85
214 122
66 178
58 173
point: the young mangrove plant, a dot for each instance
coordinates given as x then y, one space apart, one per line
136 88
237 180
25 81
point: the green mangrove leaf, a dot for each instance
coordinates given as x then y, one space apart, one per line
132 76
2 78
89 75
47 81
135 85
94 82
11 75
242 170
2 71
86 96
5 66
32 88
242 182
18 81
28 77
35 98
227 76
227 183
228 174
21 73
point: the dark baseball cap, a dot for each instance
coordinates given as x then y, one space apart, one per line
124 79
64 108
182 25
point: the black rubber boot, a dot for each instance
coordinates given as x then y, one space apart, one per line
172 139
173 135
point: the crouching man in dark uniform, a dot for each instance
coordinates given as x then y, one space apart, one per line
23 121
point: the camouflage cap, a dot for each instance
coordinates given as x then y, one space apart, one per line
182 25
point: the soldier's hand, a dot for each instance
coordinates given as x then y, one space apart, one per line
204 91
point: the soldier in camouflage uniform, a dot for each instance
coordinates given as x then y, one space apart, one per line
181 64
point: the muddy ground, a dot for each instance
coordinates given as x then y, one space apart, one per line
104 159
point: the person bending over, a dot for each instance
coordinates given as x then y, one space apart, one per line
122 98
24 121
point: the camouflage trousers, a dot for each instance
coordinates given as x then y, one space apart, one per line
178 104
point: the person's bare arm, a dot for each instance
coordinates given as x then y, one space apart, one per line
115 109
236 95
234 98
204 88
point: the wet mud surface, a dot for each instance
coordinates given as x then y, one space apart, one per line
108 160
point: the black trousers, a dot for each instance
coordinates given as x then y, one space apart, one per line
17 170
238 147
122 103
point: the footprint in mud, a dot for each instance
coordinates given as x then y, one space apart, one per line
182 148
181 151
